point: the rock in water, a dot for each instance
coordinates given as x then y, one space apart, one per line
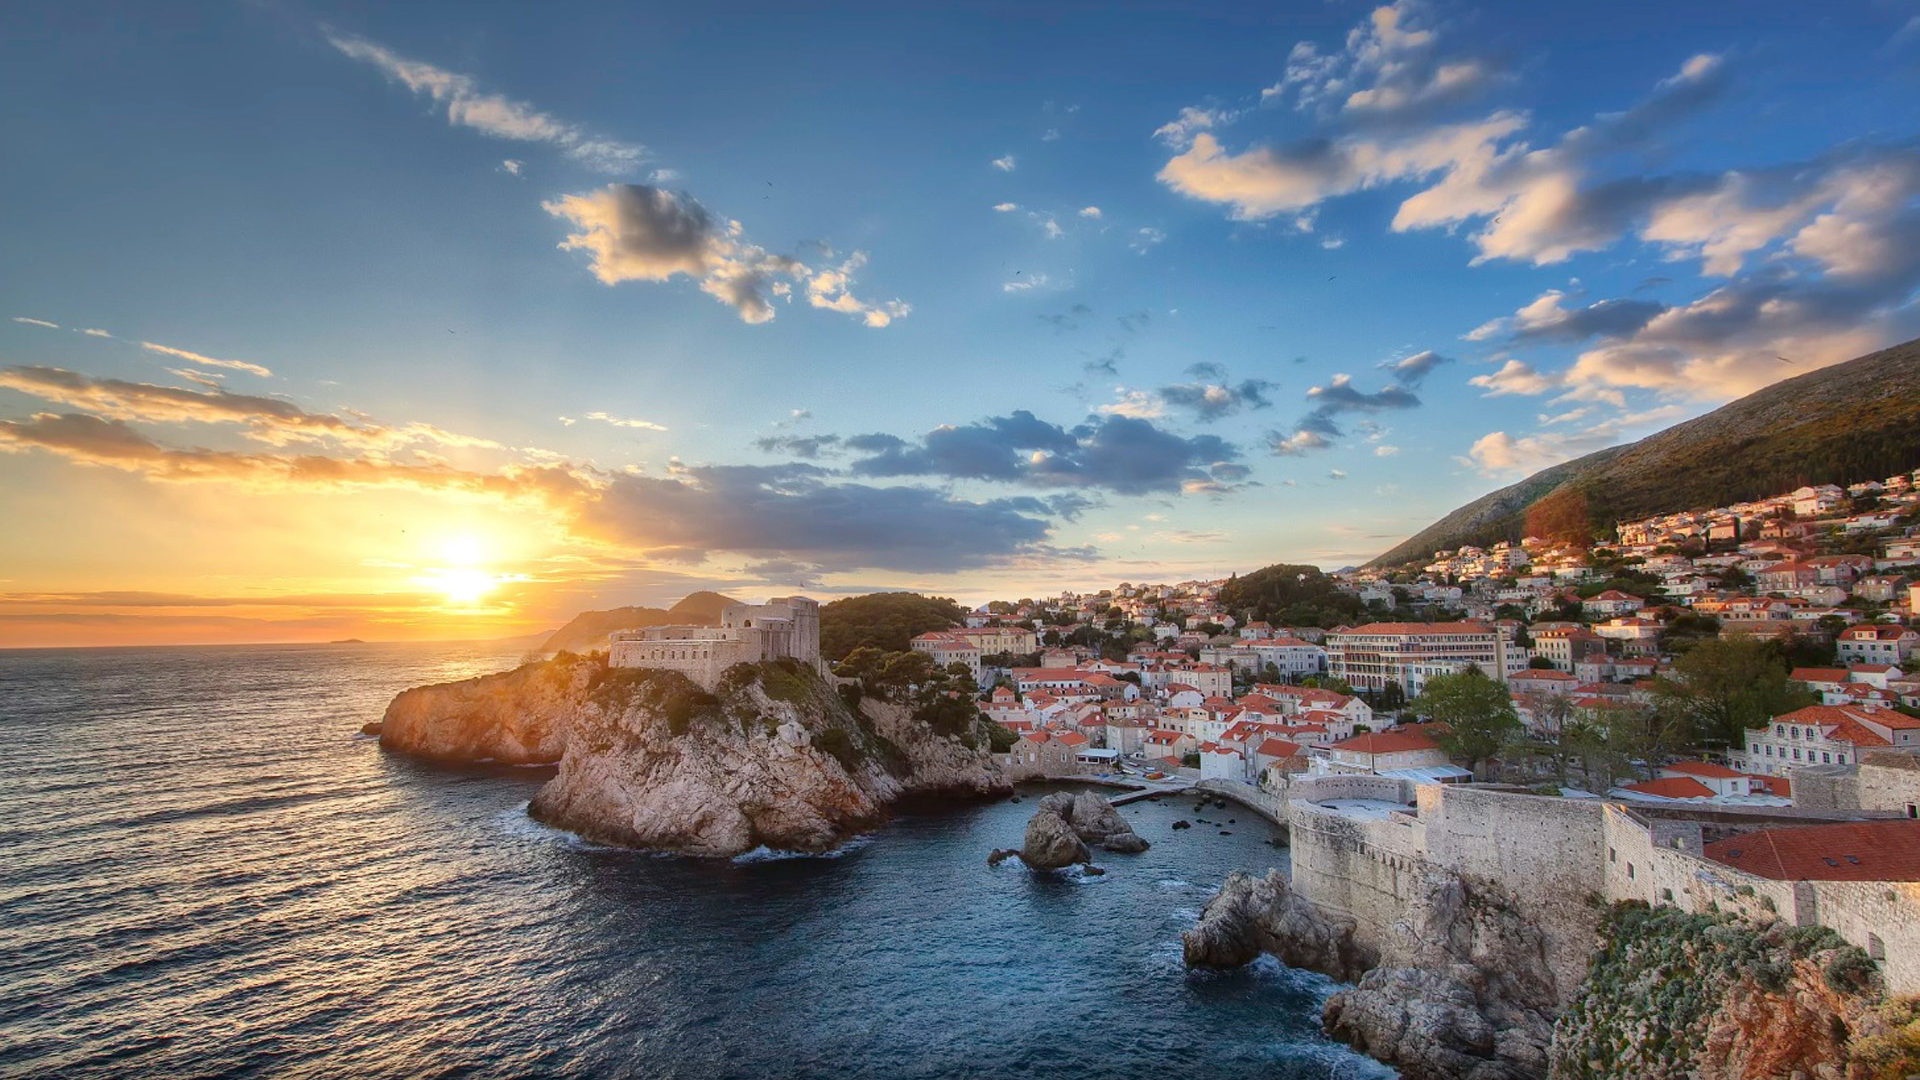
1252 915
1051 843
1099 822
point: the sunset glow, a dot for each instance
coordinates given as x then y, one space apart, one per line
506 344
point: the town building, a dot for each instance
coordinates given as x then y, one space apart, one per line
1371 656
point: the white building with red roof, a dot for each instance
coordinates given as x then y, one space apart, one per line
1379 752
1876 643
1825 735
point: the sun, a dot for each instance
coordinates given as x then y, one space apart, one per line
465 585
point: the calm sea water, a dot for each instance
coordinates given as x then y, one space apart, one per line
204 873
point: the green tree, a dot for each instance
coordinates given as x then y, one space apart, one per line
1478 713
1723 686
1329 682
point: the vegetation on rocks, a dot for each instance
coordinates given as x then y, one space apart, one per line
1671 994
885 621
1285 594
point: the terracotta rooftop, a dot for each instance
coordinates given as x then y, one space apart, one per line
1854 851
1386 742
1676 787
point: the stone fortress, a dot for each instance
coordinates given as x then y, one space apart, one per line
785 627
1363 847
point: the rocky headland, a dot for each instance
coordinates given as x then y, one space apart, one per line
1459 988
777 757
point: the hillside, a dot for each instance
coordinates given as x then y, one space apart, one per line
1839 425
886 621
1289 595
588 630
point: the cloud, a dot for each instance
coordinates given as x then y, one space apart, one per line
1004 164
1301 442
512 166
616 421
810 447
492 114
208 361
1390 70
1136 403
25 321
1145 239
1180 131
94 331
1090 212
1514 377
1385 450
793 513
1318 429
262 419
1336 474
1498 452
1006 207
1413 370
1267 180
633 232
1210 401
787 512
1546 319
1025 282
1128 455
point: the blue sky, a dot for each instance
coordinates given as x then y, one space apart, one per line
998 299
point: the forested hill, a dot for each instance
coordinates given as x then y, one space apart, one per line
888 621
1284 594
588 630
1839 425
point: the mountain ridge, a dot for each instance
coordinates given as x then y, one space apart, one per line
1841 424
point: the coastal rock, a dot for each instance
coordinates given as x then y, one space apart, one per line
1051 843
518 717
1099 823
1462 990
649 760
1251 915
1066 825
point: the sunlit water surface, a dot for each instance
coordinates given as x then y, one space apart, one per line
203 872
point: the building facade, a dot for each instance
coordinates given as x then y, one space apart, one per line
1371 656
786 627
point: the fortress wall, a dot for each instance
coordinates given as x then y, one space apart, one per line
1882 917
1367 870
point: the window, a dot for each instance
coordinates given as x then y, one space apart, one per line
1629 871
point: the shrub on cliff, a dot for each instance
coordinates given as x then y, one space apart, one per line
1655 1000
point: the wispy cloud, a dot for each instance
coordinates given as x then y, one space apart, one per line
25 321
192 357
492 114
1004 163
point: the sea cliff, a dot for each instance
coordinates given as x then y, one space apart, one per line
776 757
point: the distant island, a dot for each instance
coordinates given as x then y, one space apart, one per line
348 641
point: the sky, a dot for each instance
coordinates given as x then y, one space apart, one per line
444 320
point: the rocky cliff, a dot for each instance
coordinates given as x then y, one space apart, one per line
519 717
775 758
1458 988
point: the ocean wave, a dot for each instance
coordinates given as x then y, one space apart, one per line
764 853
520 825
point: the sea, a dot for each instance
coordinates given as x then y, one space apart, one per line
205 871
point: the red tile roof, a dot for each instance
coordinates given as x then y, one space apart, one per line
1386 742
1854 851
1677 787
1277 748
1402 628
